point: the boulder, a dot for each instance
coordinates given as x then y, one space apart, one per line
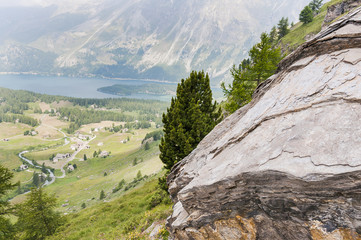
287 165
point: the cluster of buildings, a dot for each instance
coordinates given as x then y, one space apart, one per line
60 156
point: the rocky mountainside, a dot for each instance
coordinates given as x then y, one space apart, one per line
161 39
288 165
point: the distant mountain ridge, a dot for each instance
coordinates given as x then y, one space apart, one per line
153 39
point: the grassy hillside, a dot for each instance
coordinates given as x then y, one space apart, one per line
127 153
123 218
299 31
127 176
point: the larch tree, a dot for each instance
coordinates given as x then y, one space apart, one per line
262 64
315 6
264 58
306 15
6 228
36 216
282 27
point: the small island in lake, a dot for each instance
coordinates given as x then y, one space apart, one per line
148 88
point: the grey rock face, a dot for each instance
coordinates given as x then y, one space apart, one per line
287 165
338 9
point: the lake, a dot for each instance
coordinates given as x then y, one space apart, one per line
78 87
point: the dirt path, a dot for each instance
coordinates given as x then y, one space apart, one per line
71 158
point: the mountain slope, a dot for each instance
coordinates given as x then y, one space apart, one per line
285 166
137 39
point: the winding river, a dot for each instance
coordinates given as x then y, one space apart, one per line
51 174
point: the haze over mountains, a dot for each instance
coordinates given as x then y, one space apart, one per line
154 39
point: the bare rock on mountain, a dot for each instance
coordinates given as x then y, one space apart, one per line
338 9
152 39
287 165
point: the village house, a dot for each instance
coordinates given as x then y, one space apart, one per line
83 137
104 154
23 167
42 176
60 156
70 168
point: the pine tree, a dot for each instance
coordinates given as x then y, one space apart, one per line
273 35
36 216
85 158
263 61
102 195
147 146
6 228
306 15
43 168
315 6
282 28
190 117
139 175
36 179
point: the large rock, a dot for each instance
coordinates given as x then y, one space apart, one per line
287 165
334 11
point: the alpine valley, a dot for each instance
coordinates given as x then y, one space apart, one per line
140 39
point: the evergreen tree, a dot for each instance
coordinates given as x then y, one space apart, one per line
147 146
36 216
139 175
263 61
306 15
273 35
190 117
85 158
6 228
102 195
43 168
282 27
36 179
315 6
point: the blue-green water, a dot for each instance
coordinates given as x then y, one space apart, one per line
80 87
71 87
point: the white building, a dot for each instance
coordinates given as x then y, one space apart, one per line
24 167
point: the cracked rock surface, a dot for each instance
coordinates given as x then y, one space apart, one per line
287 165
